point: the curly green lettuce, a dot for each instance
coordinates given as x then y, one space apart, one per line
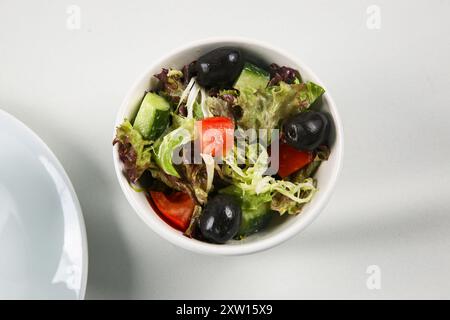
251 178
171 84
284 204
218 107
134 151
267 107
196 177
192 181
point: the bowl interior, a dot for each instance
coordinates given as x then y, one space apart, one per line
281 227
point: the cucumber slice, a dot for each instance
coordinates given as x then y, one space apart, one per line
153 116
252 78
254 219
256 213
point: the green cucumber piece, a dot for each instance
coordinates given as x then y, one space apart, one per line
252 78
254 218
153 116
256 212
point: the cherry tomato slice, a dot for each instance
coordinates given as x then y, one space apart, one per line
216 135
292 159
176 208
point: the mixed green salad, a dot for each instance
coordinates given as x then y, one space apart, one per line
183 148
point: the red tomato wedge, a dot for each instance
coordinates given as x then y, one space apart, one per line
292 159
176 208
216 135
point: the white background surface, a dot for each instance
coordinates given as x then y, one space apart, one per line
391 207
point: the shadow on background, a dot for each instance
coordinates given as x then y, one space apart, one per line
108 254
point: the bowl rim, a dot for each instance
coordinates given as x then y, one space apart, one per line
245 248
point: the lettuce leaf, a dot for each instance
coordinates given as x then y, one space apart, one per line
196 177
165 148
171 84
251 179
267 107
172 181
198 113
218 107
194 221
282 203
192 181
286 74
221 104
134 151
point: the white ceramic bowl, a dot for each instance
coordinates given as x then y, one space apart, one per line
281 229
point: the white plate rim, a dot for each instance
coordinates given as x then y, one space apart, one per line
68 182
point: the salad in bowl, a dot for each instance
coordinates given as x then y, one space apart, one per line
225 144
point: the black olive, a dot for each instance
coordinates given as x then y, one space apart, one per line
219 67
221 219
307 130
